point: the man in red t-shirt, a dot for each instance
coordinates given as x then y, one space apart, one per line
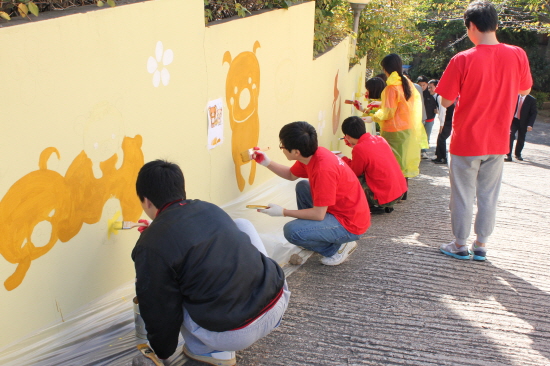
486 79
375 165
332 208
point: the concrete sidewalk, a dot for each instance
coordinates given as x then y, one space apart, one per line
399 301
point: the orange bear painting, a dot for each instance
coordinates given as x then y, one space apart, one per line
65 202
242 90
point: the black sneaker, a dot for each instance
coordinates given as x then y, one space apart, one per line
519 157
388 209
508 158
442 161
377 210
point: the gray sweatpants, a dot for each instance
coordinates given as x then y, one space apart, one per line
473 176
200 340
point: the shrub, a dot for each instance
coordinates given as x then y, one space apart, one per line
12 8
221 9
541 97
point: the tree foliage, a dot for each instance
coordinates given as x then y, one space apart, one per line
446 25
221 9
531 15
385 26
22 8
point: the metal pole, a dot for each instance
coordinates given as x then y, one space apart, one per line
357 8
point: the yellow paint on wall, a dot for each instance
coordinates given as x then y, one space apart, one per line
242 90
66 203
112 224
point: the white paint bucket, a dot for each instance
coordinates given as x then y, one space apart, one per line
140 325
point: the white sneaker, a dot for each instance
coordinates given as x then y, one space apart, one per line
341 255
223 358
424 155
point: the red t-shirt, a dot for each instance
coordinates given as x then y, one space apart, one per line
373 157
487 79
333 184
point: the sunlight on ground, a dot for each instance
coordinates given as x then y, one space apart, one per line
491 319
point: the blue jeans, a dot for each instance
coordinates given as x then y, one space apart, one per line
323 237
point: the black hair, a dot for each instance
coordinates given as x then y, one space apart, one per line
300 136
391 63
421 79
483 14
382 76
375 86
161 182
434 82
354 127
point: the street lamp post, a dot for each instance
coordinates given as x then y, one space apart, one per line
357 6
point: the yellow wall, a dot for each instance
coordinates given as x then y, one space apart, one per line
80 85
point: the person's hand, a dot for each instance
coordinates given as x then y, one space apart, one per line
367 119
273 210
529 128
347 143
261 157
357 104
146 222
375 103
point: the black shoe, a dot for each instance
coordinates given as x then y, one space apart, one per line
519 157
377 210
388 209
442 161
436 160
508 158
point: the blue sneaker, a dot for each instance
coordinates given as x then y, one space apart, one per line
452 250
223 358
480 253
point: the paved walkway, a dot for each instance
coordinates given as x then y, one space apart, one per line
398 301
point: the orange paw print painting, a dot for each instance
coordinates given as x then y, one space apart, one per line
242 89
65 202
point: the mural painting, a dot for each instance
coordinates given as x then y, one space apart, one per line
66 203
336 104
242 89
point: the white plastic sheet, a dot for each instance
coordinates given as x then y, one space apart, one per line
102 332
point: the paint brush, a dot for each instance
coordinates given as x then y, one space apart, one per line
249 154
149 353
125 225
257 207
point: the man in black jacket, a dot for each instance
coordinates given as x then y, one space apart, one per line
431 106
200 273
444 133
523 121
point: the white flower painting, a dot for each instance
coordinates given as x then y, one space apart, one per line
157 65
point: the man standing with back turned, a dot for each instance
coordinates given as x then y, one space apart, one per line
487 79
